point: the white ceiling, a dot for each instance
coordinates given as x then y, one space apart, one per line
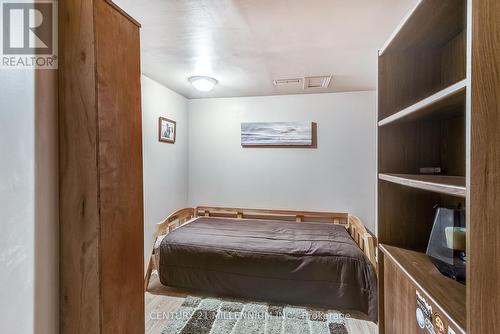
246 44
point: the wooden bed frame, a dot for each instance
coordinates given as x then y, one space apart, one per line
363 238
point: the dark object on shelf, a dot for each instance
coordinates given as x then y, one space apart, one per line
430 170
446 246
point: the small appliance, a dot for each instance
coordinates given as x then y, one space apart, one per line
446 246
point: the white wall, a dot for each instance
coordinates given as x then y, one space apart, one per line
165 165
29 286
339 175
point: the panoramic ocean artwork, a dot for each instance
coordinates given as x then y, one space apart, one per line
276 133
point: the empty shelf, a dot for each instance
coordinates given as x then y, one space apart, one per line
450 185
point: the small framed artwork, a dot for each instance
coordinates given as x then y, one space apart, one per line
166 130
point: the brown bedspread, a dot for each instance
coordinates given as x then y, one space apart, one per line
284 262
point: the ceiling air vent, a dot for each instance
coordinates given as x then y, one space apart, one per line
283 82
317 82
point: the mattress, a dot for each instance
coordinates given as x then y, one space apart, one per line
283 262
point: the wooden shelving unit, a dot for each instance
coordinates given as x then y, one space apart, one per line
449 185
438 106
423 109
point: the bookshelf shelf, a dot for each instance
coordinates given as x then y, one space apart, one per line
449 185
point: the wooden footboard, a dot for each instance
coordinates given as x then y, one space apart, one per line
354 226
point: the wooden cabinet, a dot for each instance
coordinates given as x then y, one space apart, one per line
438 106
101 199
411 282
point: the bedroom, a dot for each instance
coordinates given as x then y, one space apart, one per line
240 166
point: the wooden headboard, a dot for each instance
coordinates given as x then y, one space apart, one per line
353 224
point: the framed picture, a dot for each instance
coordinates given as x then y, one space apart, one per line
279 134
166 130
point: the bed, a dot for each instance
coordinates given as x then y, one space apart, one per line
293 257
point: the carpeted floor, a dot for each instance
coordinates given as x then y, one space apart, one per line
215 316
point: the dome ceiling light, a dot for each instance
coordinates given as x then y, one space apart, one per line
202 83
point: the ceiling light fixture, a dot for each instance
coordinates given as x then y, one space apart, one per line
203 84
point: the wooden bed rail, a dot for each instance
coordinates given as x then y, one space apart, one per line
283 215
353 224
